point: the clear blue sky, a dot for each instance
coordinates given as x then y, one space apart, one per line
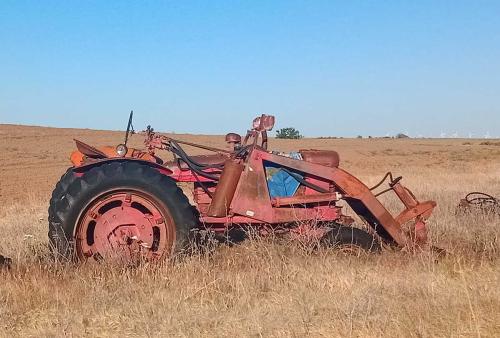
325 67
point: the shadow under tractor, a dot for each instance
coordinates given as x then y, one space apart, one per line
119 202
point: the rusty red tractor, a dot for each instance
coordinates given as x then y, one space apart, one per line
119 202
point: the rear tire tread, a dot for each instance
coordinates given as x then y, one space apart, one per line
73 192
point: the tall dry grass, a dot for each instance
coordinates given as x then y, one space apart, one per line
268 287
264 287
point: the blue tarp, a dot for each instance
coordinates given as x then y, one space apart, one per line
282 184
279 182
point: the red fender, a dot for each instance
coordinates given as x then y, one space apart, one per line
86 167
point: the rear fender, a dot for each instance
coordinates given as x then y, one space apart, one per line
86 154
80 170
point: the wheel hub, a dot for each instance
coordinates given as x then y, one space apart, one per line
123 225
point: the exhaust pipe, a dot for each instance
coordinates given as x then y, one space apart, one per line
223 196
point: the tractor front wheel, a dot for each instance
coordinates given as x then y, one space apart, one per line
351 240
119 211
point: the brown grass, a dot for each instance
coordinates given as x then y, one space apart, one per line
265 287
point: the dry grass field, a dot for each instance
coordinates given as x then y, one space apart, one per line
263 287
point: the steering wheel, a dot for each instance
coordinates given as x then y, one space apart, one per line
129 126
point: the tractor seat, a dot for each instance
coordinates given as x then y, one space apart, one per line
329 158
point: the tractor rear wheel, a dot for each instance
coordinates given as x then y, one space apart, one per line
120 211
351 240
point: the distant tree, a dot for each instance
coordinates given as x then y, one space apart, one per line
288 133
401 135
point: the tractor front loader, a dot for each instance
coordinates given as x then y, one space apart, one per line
119 202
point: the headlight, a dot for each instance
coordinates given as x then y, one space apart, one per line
121 150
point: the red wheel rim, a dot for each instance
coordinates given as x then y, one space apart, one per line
351 250
127 225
